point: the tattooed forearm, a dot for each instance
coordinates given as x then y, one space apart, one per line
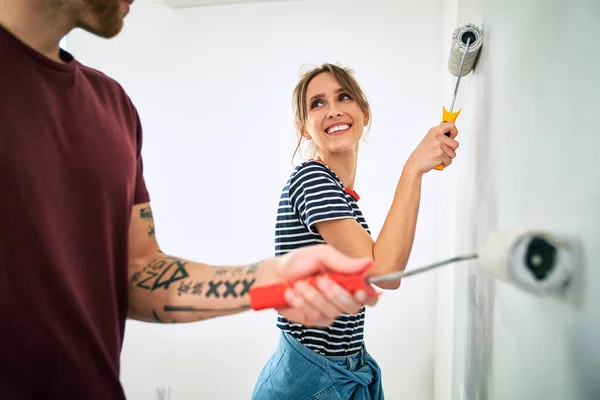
169 289
146 215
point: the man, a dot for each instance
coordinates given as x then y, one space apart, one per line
78 253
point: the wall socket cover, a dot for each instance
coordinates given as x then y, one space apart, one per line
163 393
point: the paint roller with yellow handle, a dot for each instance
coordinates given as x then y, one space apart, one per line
466 44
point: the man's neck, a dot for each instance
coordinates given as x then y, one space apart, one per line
37 24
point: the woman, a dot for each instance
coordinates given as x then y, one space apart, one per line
319 205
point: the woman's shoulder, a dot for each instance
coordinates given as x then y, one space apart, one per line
311 168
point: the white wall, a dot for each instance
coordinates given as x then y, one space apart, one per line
213 87
529 160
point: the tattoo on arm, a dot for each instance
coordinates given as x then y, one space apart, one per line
226 283
219 288
165 270
195 309
160 273
252 269
160 321
146 215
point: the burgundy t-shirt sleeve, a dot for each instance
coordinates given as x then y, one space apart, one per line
141 194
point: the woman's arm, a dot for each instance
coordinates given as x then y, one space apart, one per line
393 246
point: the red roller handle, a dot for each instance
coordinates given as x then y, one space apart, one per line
273 296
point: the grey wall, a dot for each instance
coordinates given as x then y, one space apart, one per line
529 153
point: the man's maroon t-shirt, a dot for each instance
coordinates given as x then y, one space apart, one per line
70 172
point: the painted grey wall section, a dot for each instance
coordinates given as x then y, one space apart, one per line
476 218
478 215
465 294
529 160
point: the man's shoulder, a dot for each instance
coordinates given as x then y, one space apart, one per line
106 85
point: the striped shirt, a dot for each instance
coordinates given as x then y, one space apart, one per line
313 194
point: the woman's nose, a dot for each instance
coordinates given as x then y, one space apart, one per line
334 112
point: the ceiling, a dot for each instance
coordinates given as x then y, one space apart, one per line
203 3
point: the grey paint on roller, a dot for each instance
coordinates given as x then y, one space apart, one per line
457 51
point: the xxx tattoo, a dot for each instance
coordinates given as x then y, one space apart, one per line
216 288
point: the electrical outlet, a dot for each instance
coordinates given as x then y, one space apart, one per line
163 393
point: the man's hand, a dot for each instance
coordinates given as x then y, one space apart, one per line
318 306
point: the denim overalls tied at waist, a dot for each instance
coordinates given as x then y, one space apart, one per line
294 372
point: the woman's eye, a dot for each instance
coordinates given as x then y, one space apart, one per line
344 97
316 103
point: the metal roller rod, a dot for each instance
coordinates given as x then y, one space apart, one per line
398 275
460 73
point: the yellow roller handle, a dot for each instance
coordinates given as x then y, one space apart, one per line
447 116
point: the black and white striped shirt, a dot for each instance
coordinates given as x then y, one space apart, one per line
313 194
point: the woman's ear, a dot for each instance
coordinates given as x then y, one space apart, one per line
303 132
305 135
366 118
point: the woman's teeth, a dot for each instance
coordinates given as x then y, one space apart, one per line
338 128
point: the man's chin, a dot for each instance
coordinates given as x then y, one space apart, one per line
106 32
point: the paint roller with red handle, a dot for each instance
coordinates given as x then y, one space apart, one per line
273 296
537 261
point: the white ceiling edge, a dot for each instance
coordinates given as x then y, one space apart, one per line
206 3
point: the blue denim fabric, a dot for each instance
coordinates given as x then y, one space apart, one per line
295 372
